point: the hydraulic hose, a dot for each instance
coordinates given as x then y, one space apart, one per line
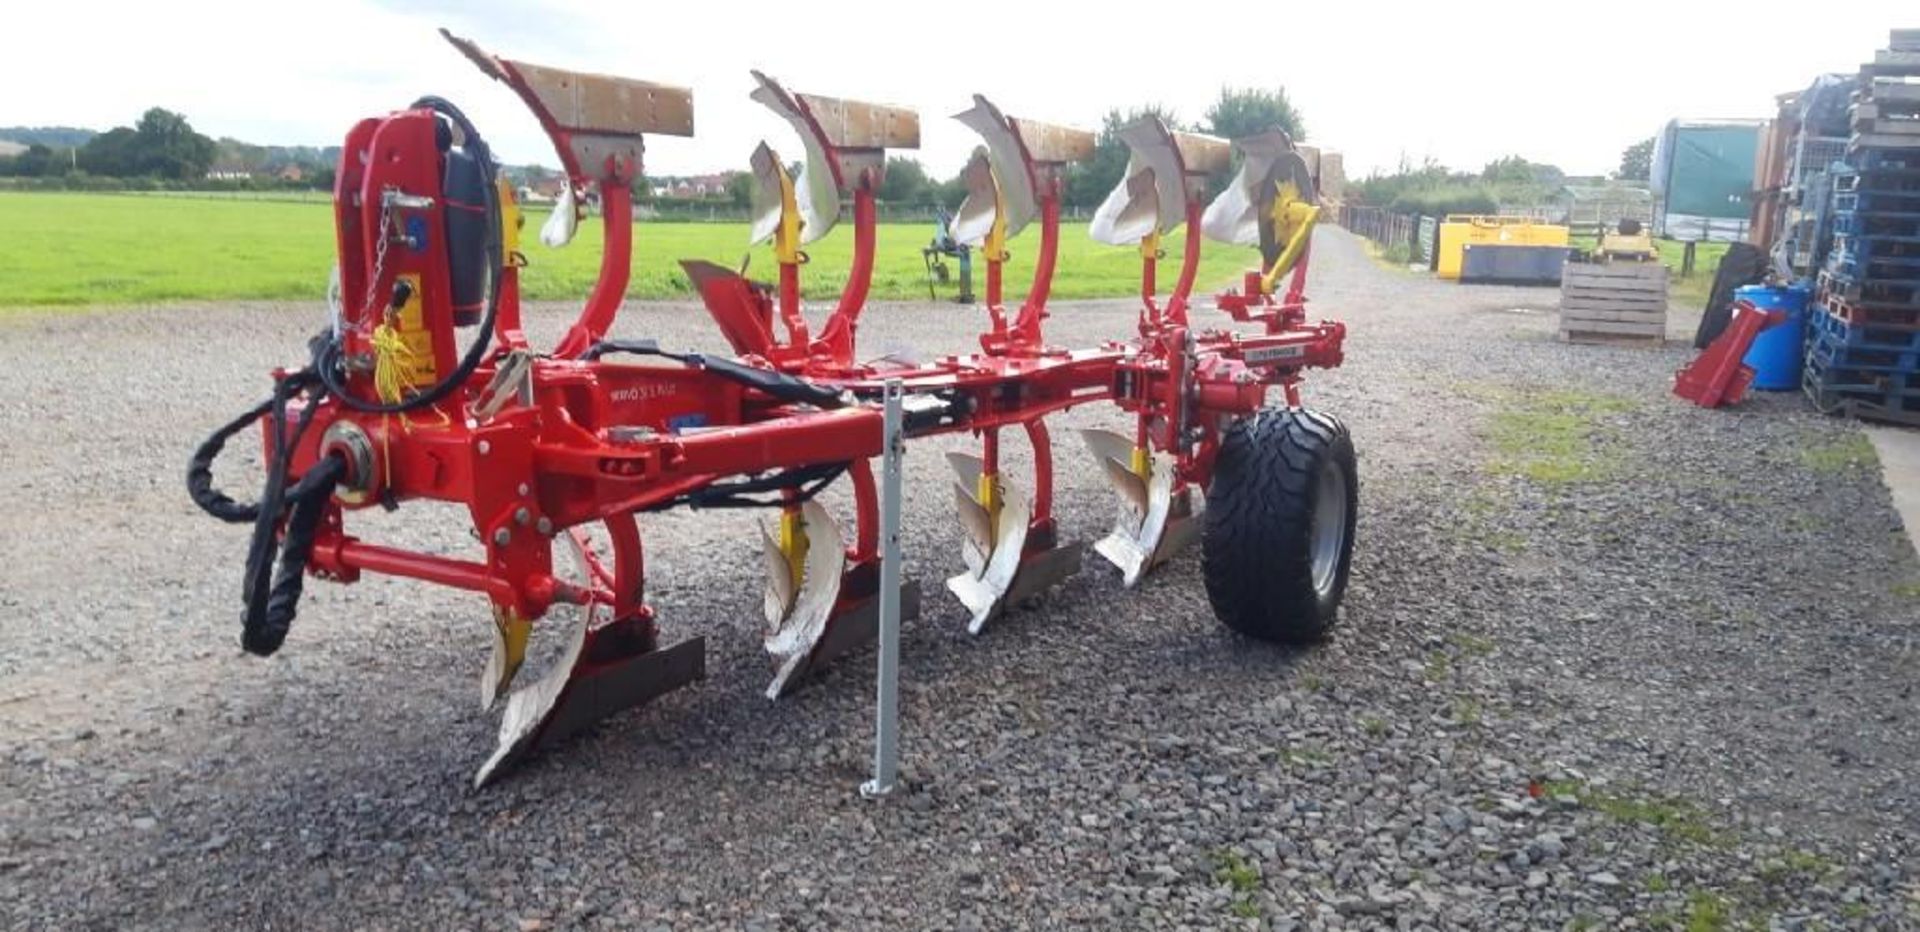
326 358
272 586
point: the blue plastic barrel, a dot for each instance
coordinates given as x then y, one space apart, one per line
1775 354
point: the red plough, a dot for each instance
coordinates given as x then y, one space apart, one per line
562 450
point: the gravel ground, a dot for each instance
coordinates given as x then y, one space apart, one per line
1608 661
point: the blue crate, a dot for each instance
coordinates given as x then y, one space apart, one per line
1868 292
1895 391
1875 159
1880 275
1884 181
1835 331
1873 405
1887 224
1831 355
1875 248
1844 262
1843 368
1904 203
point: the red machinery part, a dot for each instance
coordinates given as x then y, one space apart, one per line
1717 377
560 452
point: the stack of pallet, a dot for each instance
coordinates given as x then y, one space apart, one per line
1885 106
1613 302
1863 352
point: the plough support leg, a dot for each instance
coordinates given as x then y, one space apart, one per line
611 662
1010 547
818 603
1155 516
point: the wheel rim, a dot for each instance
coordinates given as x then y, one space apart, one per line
1329 528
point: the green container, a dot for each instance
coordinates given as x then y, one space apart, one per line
1703 178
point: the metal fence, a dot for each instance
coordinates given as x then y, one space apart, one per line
1390 230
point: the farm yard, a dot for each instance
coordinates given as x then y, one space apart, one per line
1436 522
92 249
1572 685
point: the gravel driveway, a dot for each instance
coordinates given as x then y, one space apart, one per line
1608 661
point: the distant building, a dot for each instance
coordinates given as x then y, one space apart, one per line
1606 204
541 191
692 187
228 170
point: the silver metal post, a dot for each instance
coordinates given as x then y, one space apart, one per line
886 728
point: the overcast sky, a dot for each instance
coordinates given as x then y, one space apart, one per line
1571 84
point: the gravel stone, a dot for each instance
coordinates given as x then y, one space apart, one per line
1684 649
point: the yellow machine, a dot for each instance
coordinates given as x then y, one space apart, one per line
1458 231
1628 242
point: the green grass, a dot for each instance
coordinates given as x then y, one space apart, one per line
1305 756
1834 457
1796 862
1241 878
1473 644
1705 911
100 249
1396 257
1549 436
1674 818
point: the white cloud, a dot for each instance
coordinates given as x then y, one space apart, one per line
1463 83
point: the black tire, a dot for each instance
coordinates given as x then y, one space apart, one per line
1265 524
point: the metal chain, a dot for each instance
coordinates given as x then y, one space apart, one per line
379 260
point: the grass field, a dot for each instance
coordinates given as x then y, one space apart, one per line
103 249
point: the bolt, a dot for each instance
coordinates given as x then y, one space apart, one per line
502 537
523 490
485 448
544 526
521 516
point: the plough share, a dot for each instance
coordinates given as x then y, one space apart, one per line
562 450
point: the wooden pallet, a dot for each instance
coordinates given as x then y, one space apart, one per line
1613 302
1892 63
1882 140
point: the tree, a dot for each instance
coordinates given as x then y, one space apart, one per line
1245 111
169 148
163 145
1509 170
906 182
951 192
112 153
37 160
1636 163
739 189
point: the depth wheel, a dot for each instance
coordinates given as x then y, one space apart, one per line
1280 523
